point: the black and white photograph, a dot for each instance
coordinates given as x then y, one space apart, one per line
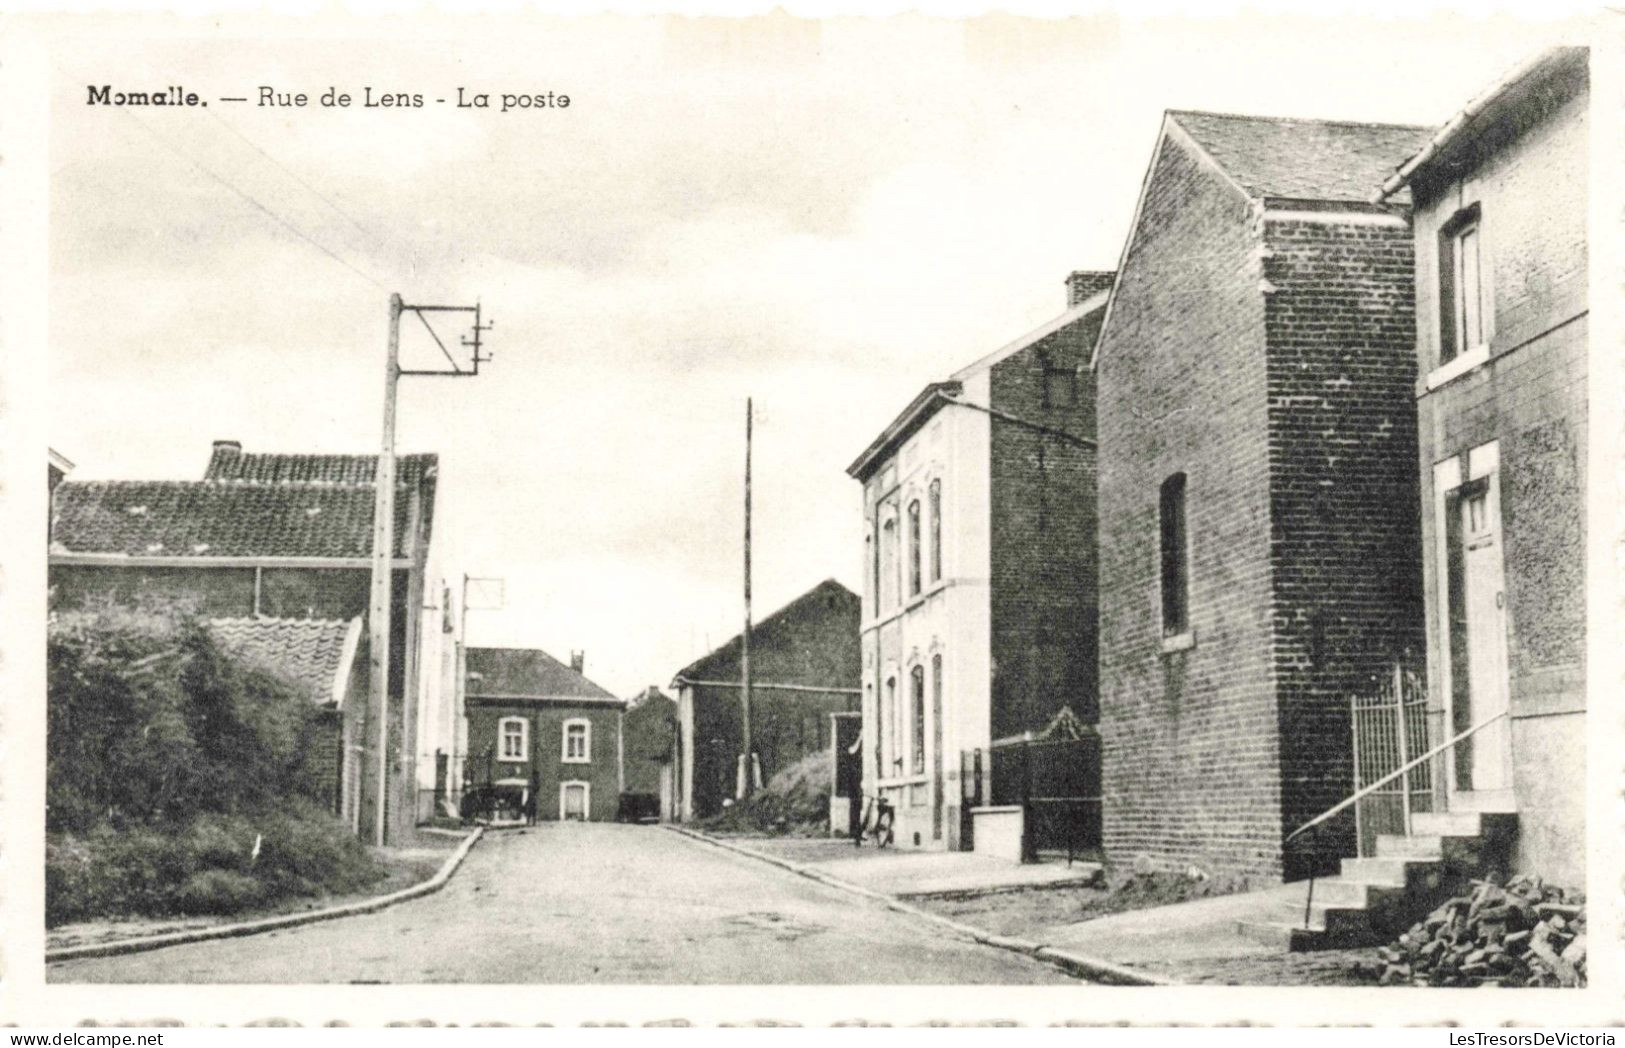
1059 517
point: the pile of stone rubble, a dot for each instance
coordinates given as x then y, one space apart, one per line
1526 933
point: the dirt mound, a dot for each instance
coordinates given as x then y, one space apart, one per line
796 801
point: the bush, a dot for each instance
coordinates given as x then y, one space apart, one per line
167 758
207 866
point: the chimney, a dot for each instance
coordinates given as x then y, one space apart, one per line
223 460
1084 284
578 660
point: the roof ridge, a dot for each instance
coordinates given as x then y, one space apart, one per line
222 482
278 620
1298 119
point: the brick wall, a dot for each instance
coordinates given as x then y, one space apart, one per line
1345 546
544 764
1190 742
1043 520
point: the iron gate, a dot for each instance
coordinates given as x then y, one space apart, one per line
1390 729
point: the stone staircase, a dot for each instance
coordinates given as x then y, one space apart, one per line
1373 899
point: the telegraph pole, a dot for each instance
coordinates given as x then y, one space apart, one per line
746 763
383 533
383 541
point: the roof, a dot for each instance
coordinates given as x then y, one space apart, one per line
529 673
828 591
1518 99
229 461
202 518
1280 157
316 654
939 394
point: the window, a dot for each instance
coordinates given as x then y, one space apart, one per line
513 738
936 530
883 741
914 548
871 564
917 747
577 742
1060 383
936 748
1175 558
1461 286
888 558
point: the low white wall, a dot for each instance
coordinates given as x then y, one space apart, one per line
997 832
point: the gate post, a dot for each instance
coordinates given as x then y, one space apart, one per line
1404 746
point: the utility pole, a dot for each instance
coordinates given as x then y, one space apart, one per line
746 763
383 534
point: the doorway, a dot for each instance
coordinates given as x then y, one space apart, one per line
573 798
1475 606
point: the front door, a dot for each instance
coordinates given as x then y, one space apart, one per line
1478 647
575 801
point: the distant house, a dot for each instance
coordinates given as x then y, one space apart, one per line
979 565
804 666
1259 555
651 729
1501 341
543 734
326 658
284 536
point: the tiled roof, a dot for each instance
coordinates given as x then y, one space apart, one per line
1303 159
197 518
316 654
230 462
528 673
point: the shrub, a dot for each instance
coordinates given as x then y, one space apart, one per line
207 866
796 799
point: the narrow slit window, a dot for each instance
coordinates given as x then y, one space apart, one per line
936 530
1175 558
917 749
914 548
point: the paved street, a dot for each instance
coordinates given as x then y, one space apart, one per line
595 903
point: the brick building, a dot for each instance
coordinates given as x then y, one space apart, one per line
1501 340
811 646
979 618
283 536
544 734
1259 555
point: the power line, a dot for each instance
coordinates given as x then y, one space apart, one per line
252 201
293 175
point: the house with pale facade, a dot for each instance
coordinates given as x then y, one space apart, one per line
1500 205
979 617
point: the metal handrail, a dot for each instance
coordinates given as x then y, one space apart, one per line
1391 776
1320 820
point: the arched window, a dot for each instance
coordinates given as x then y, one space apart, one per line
1175 557
917 711
888 562
914 548
883 738
936 530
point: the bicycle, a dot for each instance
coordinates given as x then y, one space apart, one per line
878 818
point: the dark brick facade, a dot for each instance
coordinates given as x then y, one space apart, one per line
1042 485
1268 363
1345 549
544 764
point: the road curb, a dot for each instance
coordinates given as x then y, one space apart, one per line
268 924
1068 961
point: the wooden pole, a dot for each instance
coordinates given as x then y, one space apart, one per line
383 541
744 638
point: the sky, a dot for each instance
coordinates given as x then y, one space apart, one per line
820 215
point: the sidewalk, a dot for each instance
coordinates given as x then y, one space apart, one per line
910 874
1046 906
